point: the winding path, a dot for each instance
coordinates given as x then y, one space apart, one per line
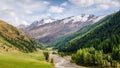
61 62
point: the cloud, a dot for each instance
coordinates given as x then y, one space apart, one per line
104 6
64 4
82 3
34 6
56 9
11 17
42 16
96 7
18 12
88 3
46 2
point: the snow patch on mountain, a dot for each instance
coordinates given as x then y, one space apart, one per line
74 19
43 21
49 20
99 18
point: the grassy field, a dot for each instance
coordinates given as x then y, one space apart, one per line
23 60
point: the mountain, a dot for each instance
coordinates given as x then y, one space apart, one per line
13 39
61 41
104 35
22 26
48 30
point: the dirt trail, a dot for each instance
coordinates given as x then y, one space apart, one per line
61 62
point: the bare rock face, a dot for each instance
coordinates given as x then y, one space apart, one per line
48 30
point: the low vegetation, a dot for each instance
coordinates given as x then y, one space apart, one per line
23 60
92 57
46 55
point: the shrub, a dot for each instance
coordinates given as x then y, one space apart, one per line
54 52
61 54
52 60
46 54
116 53
88 56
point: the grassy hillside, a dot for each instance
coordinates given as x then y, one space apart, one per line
23 60
13 39
102 36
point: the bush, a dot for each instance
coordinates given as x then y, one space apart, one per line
88 56
106 64
52 60
54 52
114 64
46 54
116 53
61 54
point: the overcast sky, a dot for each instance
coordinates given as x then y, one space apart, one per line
18 12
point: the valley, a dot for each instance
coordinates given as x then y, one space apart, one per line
93 40
59 34
99 40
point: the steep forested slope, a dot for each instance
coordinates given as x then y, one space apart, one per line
104 35
61 41
13 39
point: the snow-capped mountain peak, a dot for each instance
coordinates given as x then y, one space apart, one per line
43 21
80 18
49 20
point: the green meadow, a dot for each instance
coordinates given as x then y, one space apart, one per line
23 60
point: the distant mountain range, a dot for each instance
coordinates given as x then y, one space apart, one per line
13 39
48 30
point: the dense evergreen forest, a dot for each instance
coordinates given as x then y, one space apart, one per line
61 41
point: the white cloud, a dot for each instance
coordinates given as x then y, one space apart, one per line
46 2
12 18
39 17
116 3
34 6
43 16
28 1
87 3
97 7
104 6
64 4
18 12
82 3
56 9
